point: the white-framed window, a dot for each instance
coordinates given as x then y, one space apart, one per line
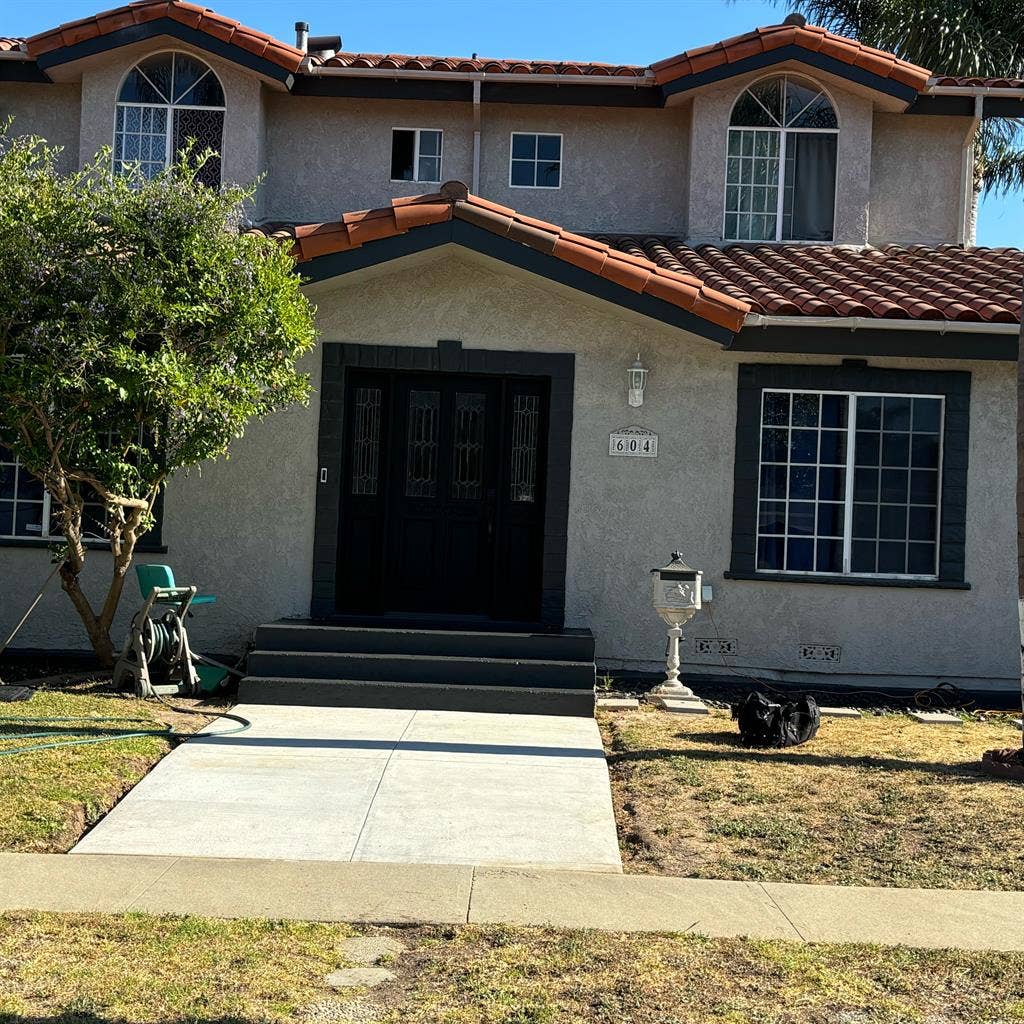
416 154
850 483
780 182
535 160
25 506
165 101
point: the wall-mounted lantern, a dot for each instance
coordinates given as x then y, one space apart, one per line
676 592
637 376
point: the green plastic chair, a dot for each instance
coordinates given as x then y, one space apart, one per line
151 576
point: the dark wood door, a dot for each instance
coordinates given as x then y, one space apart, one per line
443 505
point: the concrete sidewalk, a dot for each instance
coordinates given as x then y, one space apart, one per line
457 894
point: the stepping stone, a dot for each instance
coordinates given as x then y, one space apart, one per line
618 703
358 977
839 712
685 707
935 718
370 949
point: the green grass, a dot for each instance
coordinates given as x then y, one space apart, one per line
50 797
123 969
880 800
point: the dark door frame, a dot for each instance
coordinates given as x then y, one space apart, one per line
447 357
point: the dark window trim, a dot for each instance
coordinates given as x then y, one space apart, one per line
955 385
447 357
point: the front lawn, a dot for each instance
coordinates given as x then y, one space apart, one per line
880 800
68 969
50 797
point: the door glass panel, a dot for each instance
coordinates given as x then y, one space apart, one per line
525 427
366 441
421 448
468 446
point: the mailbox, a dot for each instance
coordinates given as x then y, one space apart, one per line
676 592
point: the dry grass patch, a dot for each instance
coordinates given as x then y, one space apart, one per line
872 801
50 797
123 969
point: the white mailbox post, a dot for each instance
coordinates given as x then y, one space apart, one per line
676 593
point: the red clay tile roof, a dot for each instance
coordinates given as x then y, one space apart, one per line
9 44
200 18
979 82
772 37
630 270
918 282
491 66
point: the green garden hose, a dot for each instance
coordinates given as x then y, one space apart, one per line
90 734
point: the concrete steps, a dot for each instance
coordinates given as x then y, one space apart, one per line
458 670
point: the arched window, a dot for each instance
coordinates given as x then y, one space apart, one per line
164 101
780 180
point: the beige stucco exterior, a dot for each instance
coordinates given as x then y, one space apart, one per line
243 528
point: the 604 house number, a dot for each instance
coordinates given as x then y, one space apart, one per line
634 441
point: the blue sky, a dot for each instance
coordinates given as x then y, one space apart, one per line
618 31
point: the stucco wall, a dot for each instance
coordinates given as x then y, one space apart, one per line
51 111
711 111
622 169
915 178
244 527
326 156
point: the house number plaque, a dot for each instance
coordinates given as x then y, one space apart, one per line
633 441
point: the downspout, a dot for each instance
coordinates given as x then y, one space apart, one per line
967 174
477 118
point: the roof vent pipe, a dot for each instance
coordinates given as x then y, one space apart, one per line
302 35
324 46
795 19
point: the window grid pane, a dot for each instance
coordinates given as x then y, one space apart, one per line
752 185
536 160
22 500
803 516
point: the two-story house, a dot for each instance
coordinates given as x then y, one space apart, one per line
778 228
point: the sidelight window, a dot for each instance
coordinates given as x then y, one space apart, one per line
781 163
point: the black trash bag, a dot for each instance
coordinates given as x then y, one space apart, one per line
764 724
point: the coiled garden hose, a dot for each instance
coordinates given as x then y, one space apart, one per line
90 734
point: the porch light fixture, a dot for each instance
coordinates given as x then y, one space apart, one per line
676 592
637 376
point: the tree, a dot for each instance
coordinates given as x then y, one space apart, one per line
139 333
950 37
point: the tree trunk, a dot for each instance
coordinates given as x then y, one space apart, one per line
99 635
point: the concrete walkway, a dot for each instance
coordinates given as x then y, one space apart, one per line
454 894
365 784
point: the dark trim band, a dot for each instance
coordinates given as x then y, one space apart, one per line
820 61
842 341
165 27
22 71
515 254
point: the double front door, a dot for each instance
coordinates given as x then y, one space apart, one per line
443 499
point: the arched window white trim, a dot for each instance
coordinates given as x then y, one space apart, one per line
780 179
162 102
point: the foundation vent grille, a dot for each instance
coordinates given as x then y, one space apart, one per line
715 645
820 652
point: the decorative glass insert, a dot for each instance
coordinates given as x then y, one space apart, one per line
781 163
525 428
416 154
536 160
165 101
366 441
422 444
849 483
468 445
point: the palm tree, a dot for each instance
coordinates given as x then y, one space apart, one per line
983 38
